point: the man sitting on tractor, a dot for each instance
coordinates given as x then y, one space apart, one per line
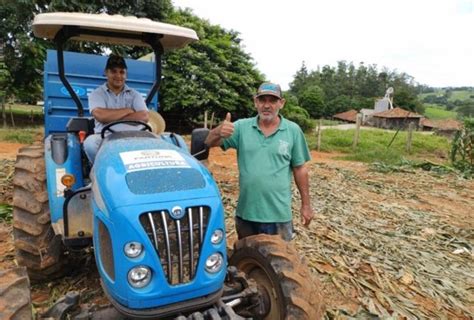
113 101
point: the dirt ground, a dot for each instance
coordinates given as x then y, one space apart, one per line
374 244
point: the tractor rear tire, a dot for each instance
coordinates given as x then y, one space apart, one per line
279 272
37 246
15 298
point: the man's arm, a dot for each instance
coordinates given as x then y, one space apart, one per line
223 131
108 115
302 182
137 116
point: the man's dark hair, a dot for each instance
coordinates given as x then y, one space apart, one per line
115 61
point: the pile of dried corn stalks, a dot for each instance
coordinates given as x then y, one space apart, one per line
375 245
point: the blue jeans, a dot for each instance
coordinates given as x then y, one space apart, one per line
91 146
247 228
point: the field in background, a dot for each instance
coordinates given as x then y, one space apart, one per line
373 145
455 95
436 112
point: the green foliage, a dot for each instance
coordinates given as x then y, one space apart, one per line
295 113
462 148
460 100
373 145
466 109
213 74
24 135
6 212
347 87
312 100
435 112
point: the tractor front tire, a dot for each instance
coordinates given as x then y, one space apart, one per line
15 299
281 275
37 246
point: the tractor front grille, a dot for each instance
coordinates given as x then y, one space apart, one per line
177 242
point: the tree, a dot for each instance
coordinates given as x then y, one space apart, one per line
466 109
300 79
312 100
339 104
213 73
296 113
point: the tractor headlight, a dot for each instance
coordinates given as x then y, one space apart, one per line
139 277
133 249
214 263
217 236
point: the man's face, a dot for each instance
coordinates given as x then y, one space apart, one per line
268 107
116 78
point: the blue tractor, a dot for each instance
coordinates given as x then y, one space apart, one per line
148 207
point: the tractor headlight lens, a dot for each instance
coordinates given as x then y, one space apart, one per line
217 236
139 277
133 249
214 263
68 180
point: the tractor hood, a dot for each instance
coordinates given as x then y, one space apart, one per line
141 168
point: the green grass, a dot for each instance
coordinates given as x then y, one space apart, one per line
373 144
25 109
461 95
5 212
327 122
436 112
20 135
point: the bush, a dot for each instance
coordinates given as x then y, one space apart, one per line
298 115
304 123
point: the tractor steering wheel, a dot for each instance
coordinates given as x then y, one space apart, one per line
107 127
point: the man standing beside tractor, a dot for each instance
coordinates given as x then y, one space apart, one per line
113 101
270 149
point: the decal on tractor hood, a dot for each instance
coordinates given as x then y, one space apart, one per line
152 159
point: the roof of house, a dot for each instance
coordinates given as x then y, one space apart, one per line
350 115
448 124
397 113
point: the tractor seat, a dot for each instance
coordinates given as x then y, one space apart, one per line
76 124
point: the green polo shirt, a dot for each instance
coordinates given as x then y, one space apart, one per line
265 168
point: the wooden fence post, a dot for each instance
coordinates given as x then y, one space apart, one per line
411 126
320 123
212 121
355 141
205 119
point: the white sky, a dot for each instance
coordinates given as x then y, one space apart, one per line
431 40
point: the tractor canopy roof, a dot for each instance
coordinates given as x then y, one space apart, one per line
127 30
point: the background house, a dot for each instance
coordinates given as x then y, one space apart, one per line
347 116
447 127
396 118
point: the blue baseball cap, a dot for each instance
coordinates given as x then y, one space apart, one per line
269 89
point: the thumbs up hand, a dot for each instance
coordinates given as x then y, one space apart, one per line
227 127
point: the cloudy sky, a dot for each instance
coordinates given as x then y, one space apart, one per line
431 40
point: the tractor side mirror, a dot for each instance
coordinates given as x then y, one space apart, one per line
199 149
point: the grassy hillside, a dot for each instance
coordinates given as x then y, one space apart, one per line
433 111
455 94
438 102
